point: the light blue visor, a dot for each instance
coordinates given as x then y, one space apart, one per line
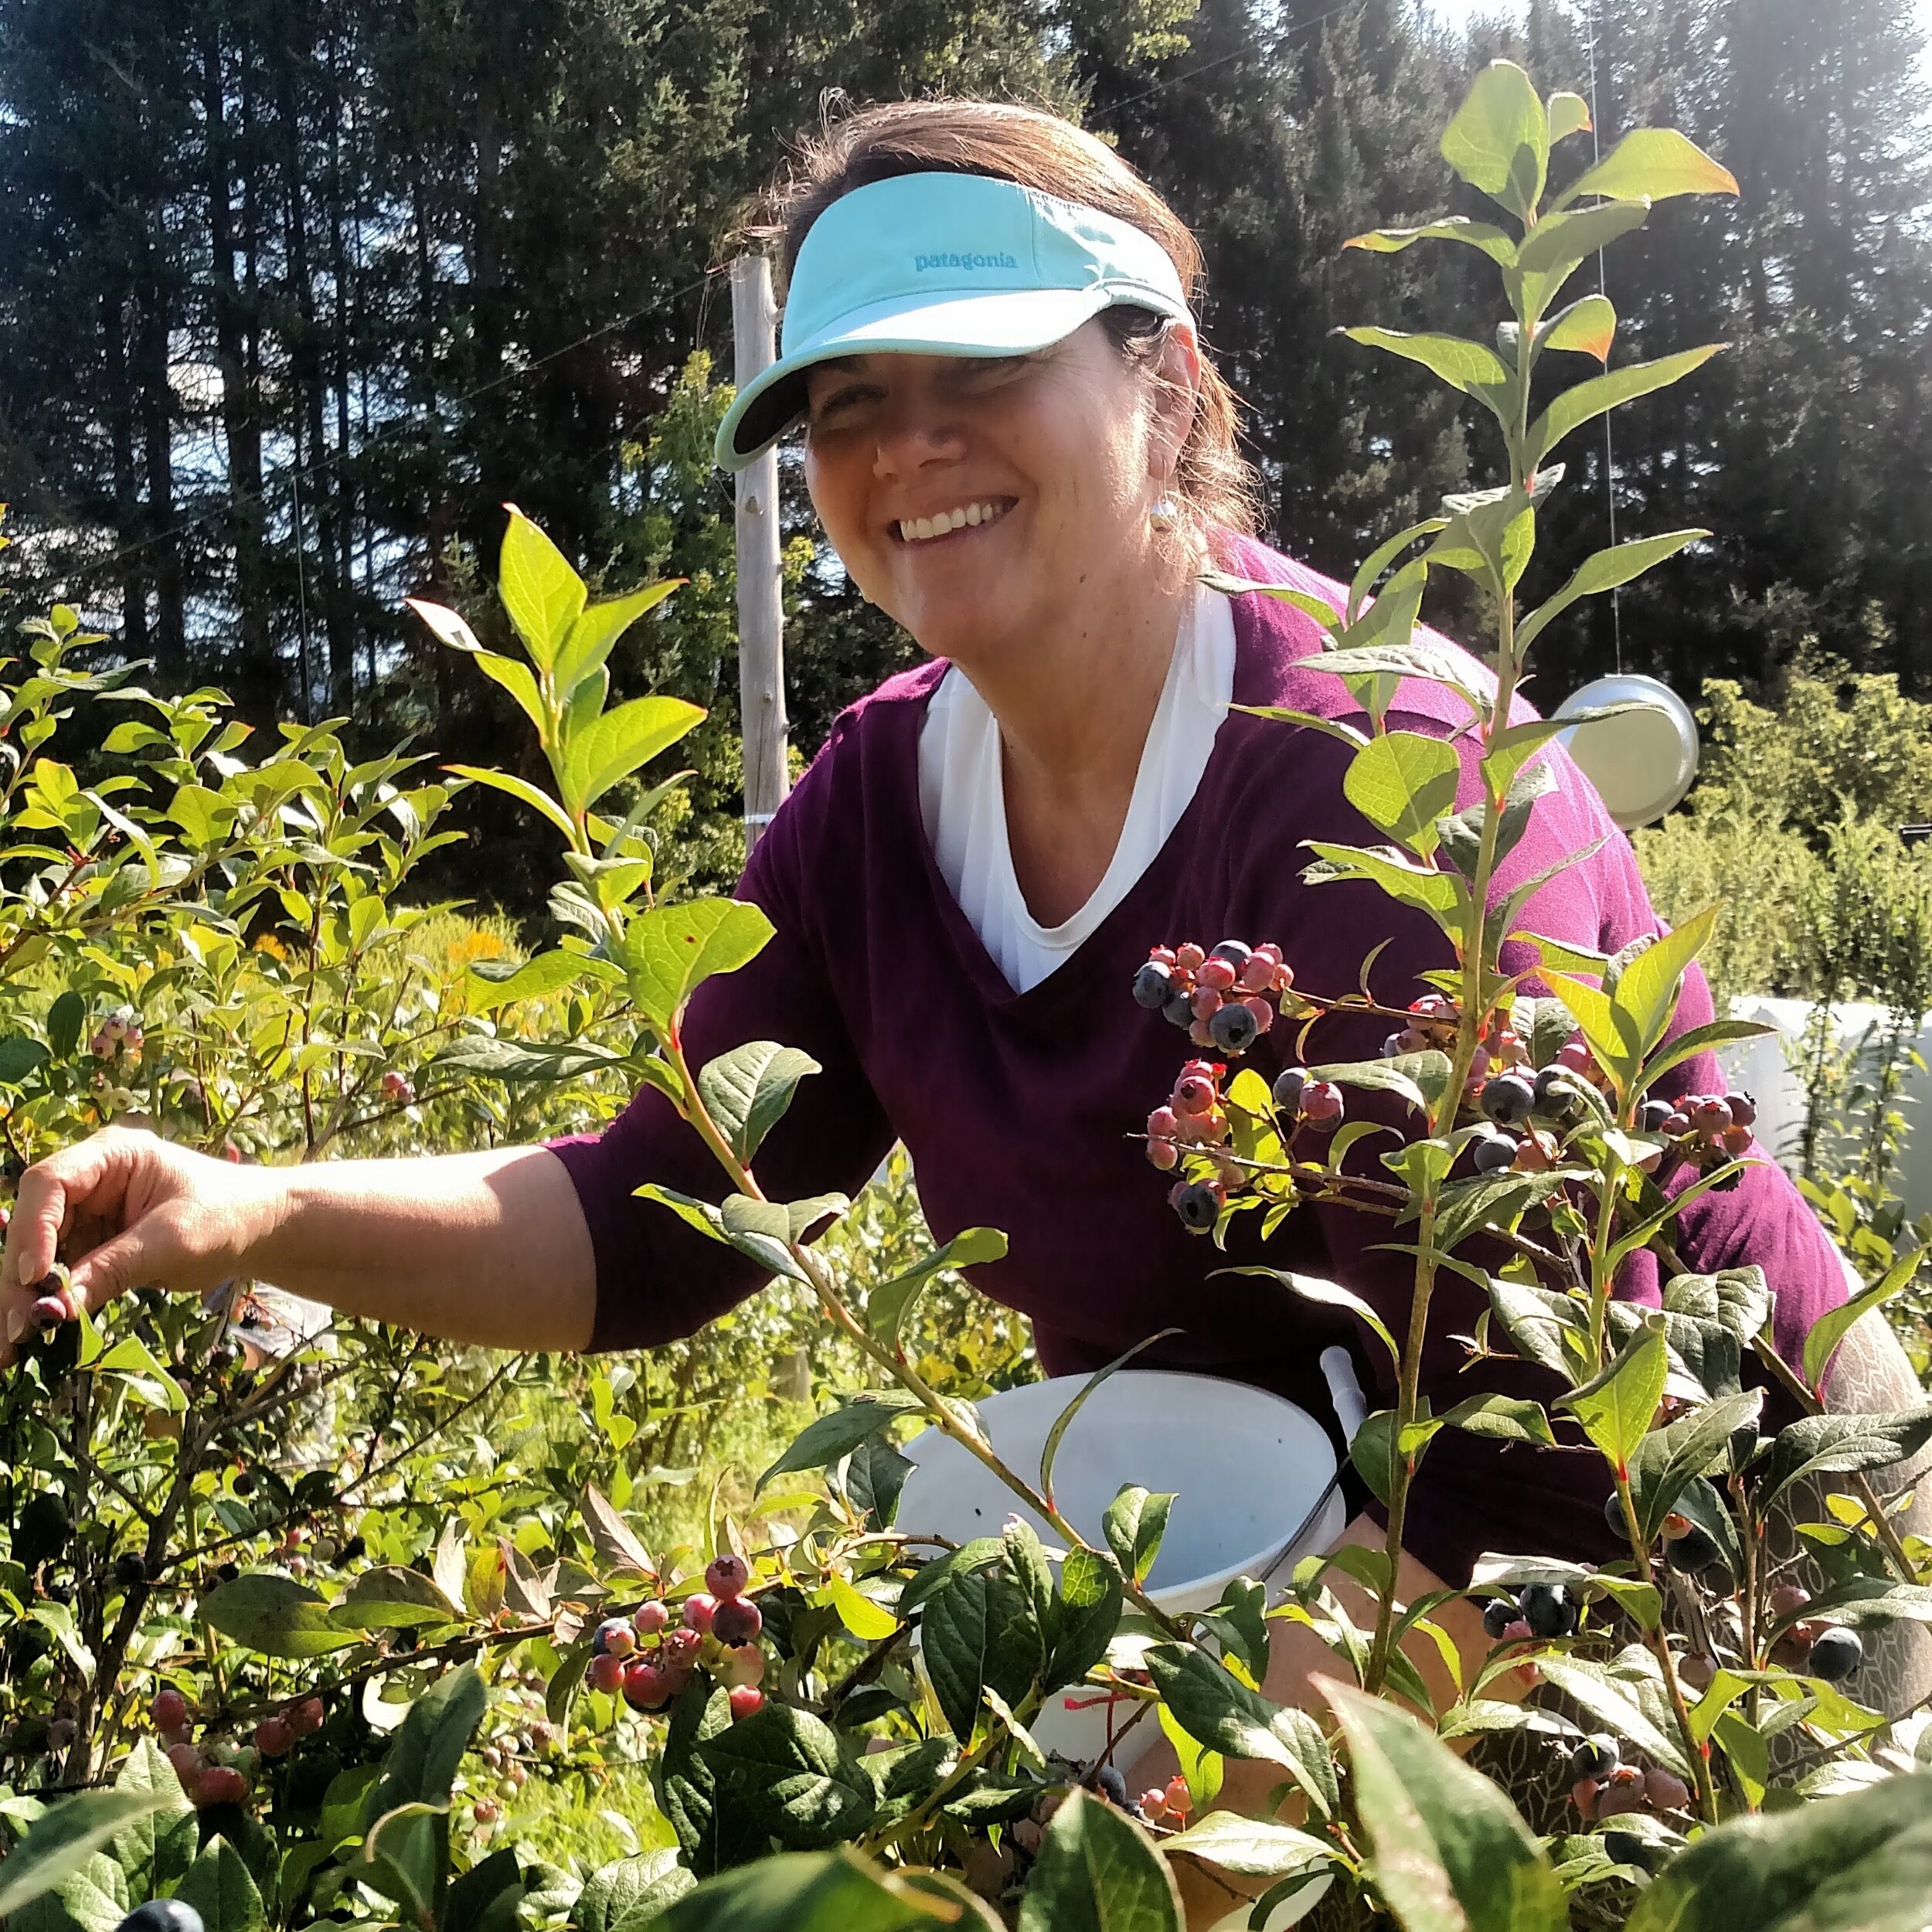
945 265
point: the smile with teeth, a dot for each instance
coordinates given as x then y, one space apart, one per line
970 516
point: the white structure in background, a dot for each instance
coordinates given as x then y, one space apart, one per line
1764 1068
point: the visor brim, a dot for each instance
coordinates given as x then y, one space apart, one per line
1006 322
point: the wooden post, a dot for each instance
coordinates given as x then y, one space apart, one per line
761 655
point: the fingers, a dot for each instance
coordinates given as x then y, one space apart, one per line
89 1178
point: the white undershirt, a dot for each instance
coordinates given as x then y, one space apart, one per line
962 795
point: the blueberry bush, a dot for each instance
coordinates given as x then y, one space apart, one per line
819 1720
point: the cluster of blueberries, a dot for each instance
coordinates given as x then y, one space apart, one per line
1218 998
717 1631
1221 998
218 1773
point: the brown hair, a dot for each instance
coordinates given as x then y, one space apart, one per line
1039 150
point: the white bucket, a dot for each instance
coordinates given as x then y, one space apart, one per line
1252 1475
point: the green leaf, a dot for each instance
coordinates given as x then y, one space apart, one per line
1096 1872
1085 1613
1370 574
1418 1078
1817 1445
219 1885
615 744
746 1091
21 1057
548 973
1402 783
1493 242
422 1761
1471 367
1219 1712
1647 988
1502 1419
597 629
1586 327
953 1643
520 789
1858 1863
60 1841
1738 1300
1700 1040
1559 244
1651 164
1569 114
1669 1459
836 1435
1614 1704
1499 139
1255 1847
542 594
668 952
808 1892
888 1305
516 679
391 1597
1134 1523
1605 571
1399 875
1615 1408
1314 1288
274 1615
404 1856
786 1768
1830 1329
1598 396
1372 1453
1452 1854
1604 1025
1335 728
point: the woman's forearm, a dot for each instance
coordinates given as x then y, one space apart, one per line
490 1249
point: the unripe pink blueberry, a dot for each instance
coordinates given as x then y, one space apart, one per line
740 1664
1735 1140
170 1709
1321 1102
1667 1792
1264 1013
747 1701
615 1635
648 1618
274 1736
187 1762
1205 1003
1217 975
1162 1124
699 1609
1193 1094
727 1576
1574 1055
1190 957
645 1688
606 1672
219 1785
679 1648
1164 1154
1153 1803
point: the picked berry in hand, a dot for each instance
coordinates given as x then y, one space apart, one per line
1549 1609
1835 1655
1508 1099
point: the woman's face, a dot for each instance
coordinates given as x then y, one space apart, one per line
975 500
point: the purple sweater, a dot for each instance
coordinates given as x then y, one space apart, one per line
1019 1109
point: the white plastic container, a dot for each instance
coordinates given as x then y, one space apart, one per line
1253 1477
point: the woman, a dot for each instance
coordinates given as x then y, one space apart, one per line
1018 450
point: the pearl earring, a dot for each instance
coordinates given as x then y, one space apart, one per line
1164 513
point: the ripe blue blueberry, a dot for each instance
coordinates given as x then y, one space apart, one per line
1555 1097
1494 1152
1652 1114
1595 1757
1153 986
1497 1614
1199 1206
161 1915
1233 951
1614 1519
1626 1848
1835 1656
1692 1553
1549 1609
1178 1008
1232 1027
1287 1091
1508 1099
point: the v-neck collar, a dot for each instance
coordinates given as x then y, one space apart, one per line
1063 982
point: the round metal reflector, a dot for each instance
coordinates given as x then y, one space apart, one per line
1641 760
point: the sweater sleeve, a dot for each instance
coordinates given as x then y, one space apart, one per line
657 1277
1472 1495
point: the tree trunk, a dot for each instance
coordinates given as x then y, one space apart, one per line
158 425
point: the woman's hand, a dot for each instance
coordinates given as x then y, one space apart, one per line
126 1209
